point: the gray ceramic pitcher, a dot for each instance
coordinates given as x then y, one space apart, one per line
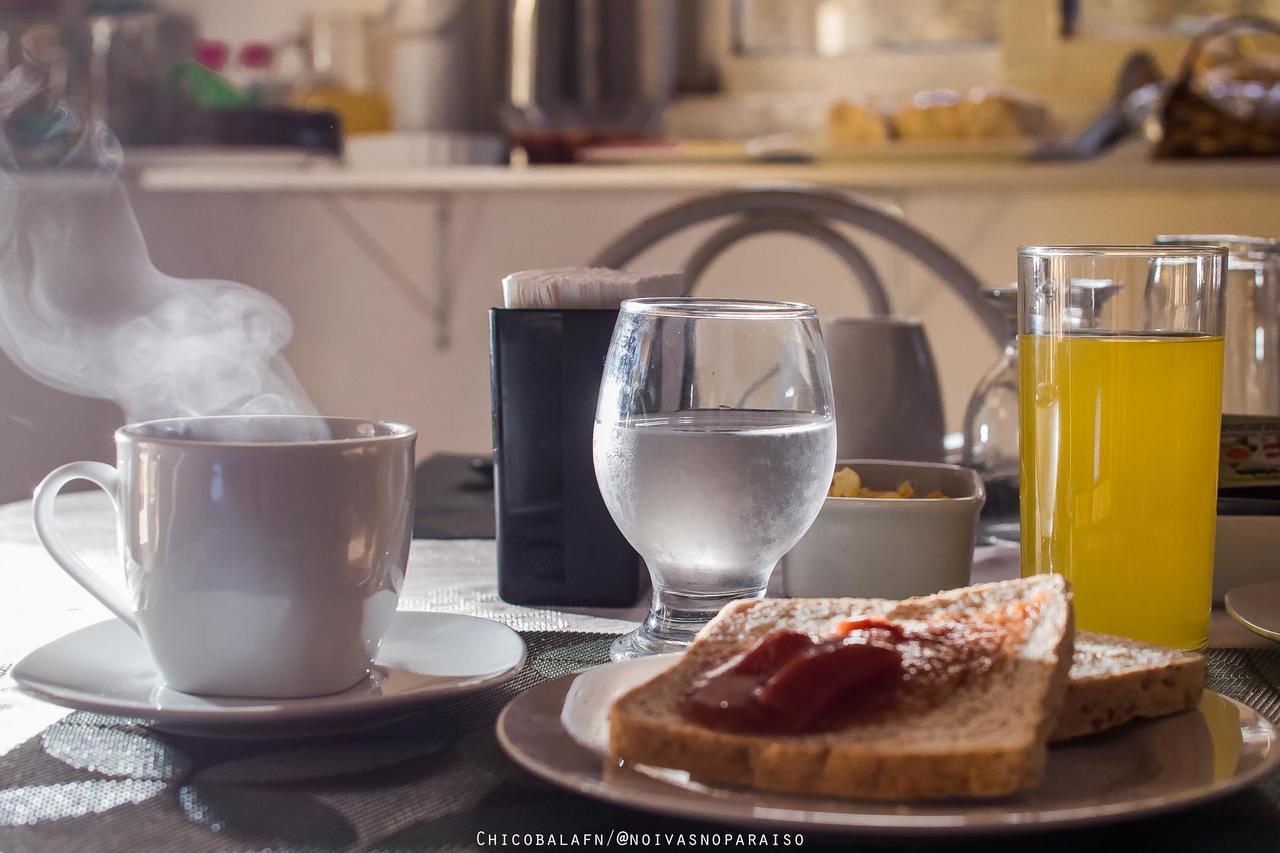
888 403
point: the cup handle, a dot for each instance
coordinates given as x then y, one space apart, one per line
106 478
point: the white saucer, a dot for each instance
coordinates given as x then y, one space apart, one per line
559 731
1257 607
424 657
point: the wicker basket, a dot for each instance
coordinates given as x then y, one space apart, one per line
1193 126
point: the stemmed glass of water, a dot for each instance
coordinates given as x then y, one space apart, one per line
714 448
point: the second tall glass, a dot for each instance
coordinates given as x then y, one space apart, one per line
1121 387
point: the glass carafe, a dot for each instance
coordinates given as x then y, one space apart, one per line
991 430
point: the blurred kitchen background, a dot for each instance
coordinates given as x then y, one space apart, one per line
379 165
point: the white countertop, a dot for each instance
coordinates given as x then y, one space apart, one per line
1125 167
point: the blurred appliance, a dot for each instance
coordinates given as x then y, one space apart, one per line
123 70
584 71
447 59
19 19
128 47
347 72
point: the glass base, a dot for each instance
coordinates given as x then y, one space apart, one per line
673 621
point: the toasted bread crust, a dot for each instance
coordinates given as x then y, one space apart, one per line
824 770
970 746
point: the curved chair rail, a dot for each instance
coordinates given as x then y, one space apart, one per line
805 226
825 204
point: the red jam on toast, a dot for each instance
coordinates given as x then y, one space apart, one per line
791 682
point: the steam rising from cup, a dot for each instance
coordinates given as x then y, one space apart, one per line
83 308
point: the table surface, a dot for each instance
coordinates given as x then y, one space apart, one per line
41 603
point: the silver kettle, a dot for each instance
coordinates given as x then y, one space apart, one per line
583 70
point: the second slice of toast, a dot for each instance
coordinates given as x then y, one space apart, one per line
1114 680
987 739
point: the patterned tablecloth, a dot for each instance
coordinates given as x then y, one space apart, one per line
437 780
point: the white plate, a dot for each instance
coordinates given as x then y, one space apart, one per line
1140 769
424 657
1257 607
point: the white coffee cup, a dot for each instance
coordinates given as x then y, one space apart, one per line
262 557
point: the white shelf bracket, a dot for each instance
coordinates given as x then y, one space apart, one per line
437 304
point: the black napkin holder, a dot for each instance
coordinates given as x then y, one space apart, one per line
557 543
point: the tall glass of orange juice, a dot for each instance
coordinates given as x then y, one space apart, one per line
1120 350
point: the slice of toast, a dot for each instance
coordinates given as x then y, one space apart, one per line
1115 680
986 739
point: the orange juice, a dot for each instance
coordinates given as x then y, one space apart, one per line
1119 458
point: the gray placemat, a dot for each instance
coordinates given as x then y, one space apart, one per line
438 779
107 783
1250 675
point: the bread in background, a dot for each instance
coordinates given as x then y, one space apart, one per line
850 123
981 113
1003 113
930 115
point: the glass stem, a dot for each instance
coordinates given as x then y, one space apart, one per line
678 616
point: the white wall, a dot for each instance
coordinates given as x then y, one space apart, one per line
362 349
